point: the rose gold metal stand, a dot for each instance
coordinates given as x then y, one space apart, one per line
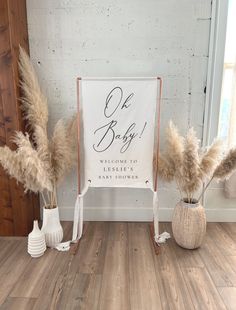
74 247
156 246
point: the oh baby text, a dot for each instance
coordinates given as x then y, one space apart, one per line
107 134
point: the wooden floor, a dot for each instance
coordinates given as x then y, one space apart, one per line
115 267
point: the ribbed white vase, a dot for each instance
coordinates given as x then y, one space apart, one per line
52 227
36 242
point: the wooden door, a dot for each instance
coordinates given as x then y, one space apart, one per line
17 210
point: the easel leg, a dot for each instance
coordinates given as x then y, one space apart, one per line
75 246
157 247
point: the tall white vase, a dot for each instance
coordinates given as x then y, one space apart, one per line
36 241
52 227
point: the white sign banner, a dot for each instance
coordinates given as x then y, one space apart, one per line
118 123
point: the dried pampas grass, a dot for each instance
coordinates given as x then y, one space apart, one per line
25 166
175 149
42 164
189 166
170 162
165 169
210 159
34 103
191 180
72 137
11 163
226 166
224 169
41 143
61 146
36 176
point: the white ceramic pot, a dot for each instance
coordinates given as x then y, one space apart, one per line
52 227
189 224
36 242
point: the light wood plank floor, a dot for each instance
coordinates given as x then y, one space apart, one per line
115 267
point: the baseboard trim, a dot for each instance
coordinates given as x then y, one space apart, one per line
141 214
221 215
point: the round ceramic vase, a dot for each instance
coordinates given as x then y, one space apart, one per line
189 224
36 242
52 227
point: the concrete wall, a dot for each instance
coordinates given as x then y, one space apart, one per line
170 38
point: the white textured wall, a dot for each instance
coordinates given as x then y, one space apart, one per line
170 38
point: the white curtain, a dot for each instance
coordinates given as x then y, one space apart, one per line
230 184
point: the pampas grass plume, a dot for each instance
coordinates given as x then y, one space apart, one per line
175 148
24 165
165 169
11 163
39 165
191 180
62 148
226 166
210 159
34 103
170 163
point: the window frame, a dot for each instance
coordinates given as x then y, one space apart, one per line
215 70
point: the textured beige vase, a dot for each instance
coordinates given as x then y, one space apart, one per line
189 224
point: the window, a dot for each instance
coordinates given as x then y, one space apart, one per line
227 117
214 111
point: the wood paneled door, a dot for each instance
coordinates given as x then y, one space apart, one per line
17 210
